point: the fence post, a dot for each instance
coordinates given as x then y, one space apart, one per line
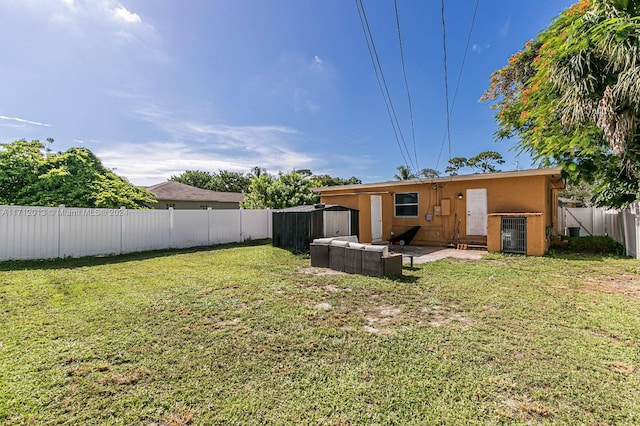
269 224
122 228
209 212
60 222
636 234
171 241
241 226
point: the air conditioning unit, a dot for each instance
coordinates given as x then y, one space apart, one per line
513 234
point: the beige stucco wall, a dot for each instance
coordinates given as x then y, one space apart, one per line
522 194
537 243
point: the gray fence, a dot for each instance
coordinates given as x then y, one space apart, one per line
621 225
57 232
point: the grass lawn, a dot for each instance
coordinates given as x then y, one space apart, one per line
240 335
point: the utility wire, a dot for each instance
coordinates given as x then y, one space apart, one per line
455 95
406 84
382 83
446 77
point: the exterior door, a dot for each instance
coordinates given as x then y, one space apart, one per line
477 212
376 218
337 224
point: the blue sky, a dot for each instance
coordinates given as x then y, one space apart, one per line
156 87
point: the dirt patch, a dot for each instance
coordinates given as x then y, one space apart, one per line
441 316
323 306
312 270
380 318
625 285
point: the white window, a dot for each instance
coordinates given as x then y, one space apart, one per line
406 204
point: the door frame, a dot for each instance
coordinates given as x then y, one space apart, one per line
376 223
477 194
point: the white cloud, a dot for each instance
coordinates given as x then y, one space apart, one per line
127 16
22 121
479 48
192 144
153 162
504 29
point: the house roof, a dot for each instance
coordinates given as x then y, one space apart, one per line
478 176
564 200
180 192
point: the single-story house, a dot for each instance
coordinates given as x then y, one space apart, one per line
512 211
181 196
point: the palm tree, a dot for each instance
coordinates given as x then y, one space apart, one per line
404 173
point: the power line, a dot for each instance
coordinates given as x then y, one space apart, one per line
406 84
382 83
455 95
446 77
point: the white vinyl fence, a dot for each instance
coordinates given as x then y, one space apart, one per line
621 225
53 232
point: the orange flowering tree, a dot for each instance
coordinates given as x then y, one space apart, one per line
572 97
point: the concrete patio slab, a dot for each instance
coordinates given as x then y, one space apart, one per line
423 254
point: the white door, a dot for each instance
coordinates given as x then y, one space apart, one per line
376 218
477 211
337 224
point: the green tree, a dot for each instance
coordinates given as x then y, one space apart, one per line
580 191
198 178
404 173
486 161
572 97
278 192
226 181
20 166
455 164
429 173
75 178
223 181
319 181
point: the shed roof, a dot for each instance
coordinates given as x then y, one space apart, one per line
477 176
181 192
313 208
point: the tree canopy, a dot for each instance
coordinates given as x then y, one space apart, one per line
572 97
288 189
223 181
279 192
75 178
484 162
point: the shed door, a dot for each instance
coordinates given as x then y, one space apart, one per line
477 211
376 218
337 224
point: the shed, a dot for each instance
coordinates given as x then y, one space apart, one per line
296 227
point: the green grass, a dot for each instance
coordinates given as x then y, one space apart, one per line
239 335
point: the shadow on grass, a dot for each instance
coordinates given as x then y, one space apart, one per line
80 262
594 257
406 279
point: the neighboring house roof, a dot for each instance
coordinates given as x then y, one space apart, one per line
478 176
563 200
181 192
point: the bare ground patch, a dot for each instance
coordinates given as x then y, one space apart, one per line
312 270
625 285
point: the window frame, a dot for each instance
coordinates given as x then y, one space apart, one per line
396 204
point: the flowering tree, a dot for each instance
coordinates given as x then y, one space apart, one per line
572 97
